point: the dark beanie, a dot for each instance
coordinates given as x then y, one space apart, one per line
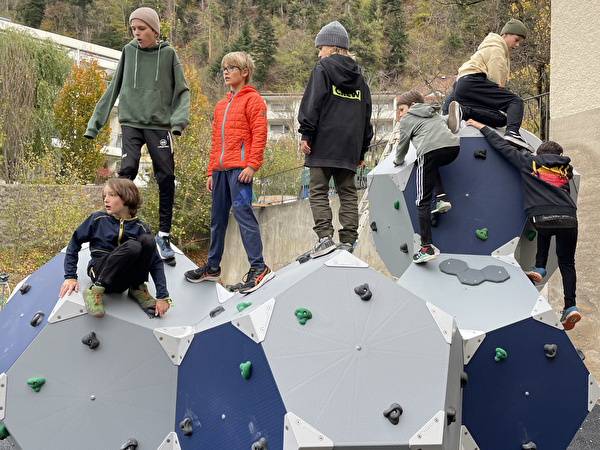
514 26
334 35
148 15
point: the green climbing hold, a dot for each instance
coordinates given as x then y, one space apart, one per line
482 234
500 355
36 383
531 235
303 315
3 432
245 369
242 306
396 204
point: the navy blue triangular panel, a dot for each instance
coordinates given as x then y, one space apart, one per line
527 397
16 315
485 193
227 411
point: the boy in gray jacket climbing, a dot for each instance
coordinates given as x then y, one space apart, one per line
436 147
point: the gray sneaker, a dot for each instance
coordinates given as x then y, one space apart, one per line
322 247
516 140
454 116
345 246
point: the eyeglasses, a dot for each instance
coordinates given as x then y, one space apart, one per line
229 69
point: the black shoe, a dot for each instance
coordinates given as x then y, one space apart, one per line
204 273
515 139
255 279
424 254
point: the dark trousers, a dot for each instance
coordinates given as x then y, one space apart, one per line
345 186
160 147
228 192
126 266
486 102
428 183
566 241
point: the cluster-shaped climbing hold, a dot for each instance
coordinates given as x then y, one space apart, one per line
24 288
245 369
261 444
303 315
482 234
91 340
500 354
550 350
434 220
36 383
473 277
363 291
131 444
243 305
450 415
3 432
216 311
481 153
393 413
404 248
529 446
531 235
373 226
186 426
36 319
396 204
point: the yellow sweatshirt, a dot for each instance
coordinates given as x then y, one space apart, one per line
490 58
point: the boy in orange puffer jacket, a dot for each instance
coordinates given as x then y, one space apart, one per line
239 137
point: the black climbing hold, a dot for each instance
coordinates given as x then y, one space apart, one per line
24 288
218 310
260 444
373 226
304 257
36 319
550 350
481 153
364 291
186 426
464 379
404 248
450 415
91 340
529 446
580 353
131 444
434 220
170 261
393 413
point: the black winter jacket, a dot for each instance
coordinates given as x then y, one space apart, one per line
335 114
545 178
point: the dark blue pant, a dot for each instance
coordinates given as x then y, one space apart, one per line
228 191
566 241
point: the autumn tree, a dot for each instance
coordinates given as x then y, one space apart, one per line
81 157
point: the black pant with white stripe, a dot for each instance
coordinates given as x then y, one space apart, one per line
428 183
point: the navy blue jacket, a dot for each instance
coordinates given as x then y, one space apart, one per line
105 233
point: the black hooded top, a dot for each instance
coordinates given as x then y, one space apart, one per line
335 114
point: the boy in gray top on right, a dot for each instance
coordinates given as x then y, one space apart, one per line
436 147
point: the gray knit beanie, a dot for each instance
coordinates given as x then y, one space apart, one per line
334 35
148 15
514 26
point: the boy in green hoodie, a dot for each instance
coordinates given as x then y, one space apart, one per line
154 100
436 147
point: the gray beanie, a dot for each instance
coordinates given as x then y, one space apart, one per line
334 35
514 26
147 15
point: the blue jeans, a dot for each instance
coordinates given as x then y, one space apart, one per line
228 191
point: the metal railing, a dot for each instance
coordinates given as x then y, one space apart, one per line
292 184
536 115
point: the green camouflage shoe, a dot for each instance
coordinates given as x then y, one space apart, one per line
142 296
92 297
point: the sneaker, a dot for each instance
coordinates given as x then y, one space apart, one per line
536 274
92 297
345 246
164 247
322 247
515 139
442 205
254 279
454 116
142 296
424 254
570 317
204 273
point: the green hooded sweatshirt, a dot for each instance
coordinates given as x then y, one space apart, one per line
152 91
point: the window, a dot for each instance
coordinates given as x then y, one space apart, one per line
279 128
278 107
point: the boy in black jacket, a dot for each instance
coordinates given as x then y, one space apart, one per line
335 123
549 206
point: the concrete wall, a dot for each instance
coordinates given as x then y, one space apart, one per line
286 231
575 118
